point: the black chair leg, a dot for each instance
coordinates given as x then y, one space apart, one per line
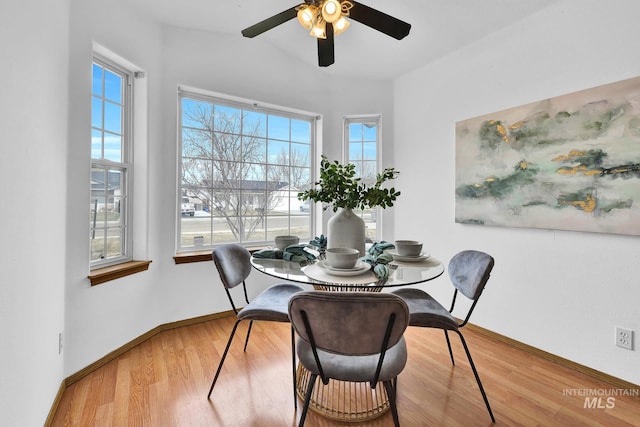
391 394
446 335
293 365
224 355
475 373
246 341
307 398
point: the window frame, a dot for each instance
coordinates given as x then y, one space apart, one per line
225 100
346 141
126 165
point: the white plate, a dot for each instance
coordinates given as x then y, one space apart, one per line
394 254
361 267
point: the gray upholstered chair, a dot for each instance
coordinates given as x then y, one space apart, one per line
234 265
469 272
350 336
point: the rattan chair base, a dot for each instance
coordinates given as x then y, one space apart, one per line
343 400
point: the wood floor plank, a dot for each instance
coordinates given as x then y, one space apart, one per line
164 382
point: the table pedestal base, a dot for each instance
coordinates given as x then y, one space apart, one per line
342 400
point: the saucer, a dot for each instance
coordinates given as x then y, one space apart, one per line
360 267
405 258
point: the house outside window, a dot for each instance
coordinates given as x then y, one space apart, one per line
111 170
241 166
362 148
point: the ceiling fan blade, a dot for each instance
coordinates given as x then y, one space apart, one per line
325 48
270 23
379 21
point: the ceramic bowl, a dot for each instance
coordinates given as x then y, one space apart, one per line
342 257
283 241
408 247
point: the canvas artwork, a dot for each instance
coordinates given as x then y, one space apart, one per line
569 163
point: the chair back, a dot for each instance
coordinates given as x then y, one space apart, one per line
349 323
469 272
233 263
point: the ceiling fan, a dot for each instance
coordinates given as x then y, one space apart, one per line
326 18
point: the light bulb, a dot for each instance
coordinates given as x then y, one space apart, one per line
306 15
331 10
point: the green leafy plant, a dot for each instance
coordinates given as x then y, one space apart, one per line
339 187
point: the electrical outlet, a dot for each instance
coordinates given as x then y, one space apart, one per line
624 338
59 342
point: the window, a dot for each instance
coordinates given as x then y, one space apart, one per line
241 168
362 136
111 170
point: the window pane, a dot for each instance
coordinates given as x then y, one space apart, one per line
355 151
112 147
196 143
96 144
301 131
196 172
369 132
227 119
227 146
112 87
369 151
355 132
112 117
197 114
368 170
253 150
114 242
96 112
96 85
278 127
278 152
254 123
254 176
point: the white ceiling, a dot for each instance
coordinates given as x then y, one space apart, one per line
438 27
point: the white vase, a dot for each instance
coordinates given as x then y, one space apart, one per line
346 230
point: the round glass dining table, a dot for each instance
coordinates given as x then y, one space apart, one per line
342 400
315 274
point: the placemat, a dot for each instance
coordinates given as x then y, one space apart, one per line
316 272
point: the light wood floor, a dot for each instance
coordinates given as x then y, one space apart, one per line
164 382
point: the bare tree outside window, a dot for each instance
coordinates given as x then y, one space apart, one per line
238 168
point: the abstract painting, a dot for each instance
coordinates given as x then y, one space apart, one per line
568 163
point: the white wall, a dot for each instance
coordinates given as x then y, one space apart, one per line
562 292
102 318
33 133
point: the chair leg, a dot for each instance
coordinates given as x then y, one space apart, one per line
475 373
246 341
446 335
307 398
391 393
293 365
224 355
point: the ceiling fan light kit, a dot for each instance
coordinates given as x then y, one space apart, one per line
326 18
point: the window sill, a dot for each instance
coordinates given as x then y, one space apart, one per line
188 257
106 274
200 256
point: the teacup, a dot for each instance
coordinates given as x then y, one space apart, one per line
408 247
283 241
342 257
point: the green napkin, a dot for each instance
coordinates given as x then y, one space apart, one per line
268 253
378 260
378 248
319 242
297 253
